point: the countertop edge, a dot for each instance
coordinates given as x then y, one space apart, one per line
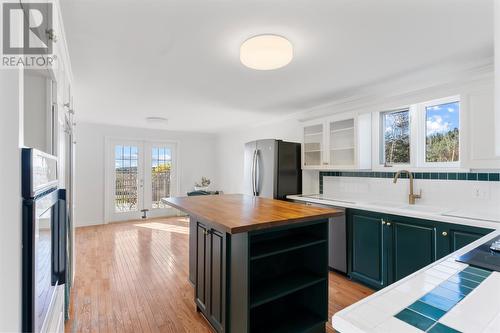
260 226
401 212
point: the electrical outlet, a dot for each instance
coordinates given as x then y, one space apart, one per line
481 192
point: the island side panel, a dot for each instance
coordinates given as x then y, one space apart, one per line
192 249
239 283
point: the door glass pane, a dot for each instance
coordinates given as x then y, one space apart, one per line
342 142
126 180
396 137
161 166
442 132
313 144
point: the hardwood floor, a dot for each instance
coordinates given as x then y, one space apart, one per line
133 277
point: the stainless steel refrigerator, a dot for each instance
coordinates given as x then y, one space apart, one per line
272 168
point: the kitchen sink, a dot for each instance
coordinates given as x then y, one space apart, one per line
387 204
424 209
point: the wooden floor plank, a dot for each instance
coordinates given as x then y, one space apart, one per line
133 277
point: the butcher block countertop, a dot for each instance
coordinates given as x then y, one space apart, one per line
237 213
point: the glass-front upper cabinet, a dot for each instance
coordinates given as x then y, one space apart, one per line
340 142
313 147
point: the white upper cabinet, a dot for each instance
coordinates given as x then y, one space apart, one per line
337 143
313 147
481 136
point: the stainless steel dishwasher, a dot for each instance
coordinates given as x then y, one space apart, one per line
337 239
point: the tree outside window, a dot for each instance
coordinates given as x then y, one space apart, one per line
396 134
442 133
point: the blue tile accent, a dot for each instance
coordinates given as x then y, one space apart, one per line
440 328
464 282
438 301
415 319
472 277
482 176
472 176
463 290
494 177
477 271
427 310
446 293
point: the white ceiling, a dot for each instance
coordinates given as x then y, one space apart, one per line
180 59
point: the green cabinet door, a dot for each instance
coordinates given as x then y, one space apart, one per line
461 238
383 249
412 246
367 249
453 237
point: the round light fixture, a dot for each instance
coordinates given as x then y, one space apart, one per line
266 52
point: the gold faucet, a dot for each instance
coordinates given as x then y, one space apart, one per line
411 196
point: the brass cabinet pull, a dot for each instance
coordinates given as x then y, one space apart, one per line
383 222
444 233
388 224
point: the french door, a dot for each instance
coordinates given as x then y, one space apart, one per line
140 174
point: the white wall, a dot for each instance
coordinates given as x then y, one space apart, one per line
478 134
230 150
11 88
35 111
196 153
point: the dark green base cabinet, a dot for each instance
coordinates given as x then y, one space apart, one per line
274 280
383 248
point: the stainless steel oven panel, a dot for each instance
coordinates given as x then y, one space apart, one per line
41 258
39 172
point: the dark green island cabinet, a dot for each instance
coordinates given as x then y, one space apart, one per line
383 248
261 265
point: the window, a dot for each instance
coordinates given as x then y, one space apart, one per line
421 135
396 137
126 181
160 175
442 133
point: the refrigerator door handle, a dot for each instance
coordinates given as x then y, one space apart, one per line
253 171
257 167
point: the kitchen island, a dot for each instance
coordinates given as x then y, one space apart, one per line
261 265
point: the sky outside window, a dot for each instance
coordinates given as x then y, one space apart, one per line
442 132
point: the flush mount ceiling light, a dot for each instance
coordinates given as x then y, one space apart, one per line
266 52
157 120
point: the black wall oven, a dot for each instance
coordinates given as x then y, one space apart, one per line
44 222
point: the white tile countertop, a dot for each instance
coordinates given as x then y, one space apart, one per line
474 217
477 311
477 308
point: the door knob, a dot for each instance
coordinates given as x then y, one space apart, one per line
444 233
383 222
388 224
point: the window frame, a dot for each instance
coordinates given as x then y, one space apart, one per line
418 136
422 137
381 132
